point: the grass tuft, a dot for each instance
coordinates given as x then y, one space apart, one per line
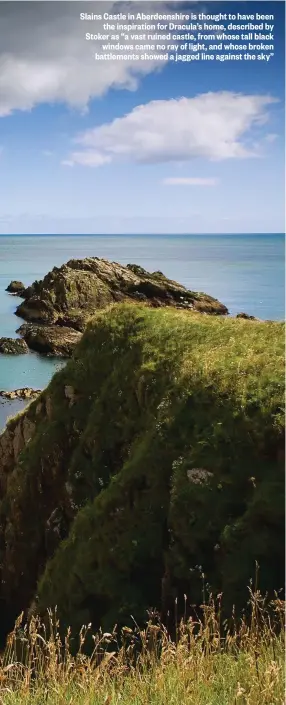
206 662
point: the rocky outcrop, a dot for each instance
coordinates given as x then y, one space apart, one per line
14 439
69 294
16 287
50 340
13 346
58 308
246 316
24 393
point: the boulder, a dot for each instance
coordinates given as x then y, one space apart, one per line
13 346
50 340
16 287
246 316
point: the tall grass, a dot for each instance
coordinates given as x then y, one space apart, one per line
205 662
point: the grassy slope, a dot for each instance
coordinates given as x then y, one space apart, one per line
159 393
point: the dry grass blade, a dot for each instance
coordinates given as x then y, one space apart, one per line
239 663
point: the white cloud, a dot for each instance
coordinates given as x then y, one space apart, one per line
212 125
44 56
87 159
271 138
189 181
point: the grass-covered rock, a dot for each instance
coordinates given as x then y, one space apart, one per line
156 455
70 294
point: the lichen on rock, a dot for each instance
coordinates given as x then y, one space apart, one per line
85 286
13 346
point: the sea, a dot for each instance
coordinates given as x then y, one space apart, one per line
245 272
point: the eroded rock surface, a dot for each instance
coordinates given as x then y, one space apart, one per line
23 393
69 294
58 308
13 346
50 340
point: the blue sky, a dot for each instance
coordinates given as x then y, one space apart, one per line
90 148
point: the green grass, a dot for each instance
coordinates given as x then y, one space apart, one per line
170 458
204 664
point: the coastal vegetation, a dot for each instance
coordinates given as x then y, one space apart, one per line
146 482
202 663
57 309
154 455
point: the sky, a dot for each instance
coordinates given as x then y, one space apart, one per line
125 147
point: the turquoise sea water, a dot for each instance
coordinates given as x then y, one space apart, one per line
245 272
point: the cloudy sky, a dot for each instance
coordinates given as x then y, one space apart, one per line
124 147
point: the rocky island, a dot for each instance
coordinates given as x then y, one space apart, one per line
25 393
13 346
16 287
58 308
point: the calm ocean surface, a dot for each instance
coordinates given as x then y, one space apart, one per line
245 272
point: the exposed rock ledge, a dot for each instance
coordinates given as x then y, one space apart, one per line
50 340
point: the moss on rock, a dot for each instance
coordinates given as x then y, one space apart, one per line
81 287
156 450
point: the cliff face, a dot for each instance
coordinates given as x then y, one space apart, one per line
156 450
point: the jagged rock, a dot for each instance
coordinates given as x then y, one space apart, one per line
55 529
28 429
18 439
68 295
24 393
13 346
59 307
16 287
49 407
70 394
246 316
50 340
13 439
78 321
37 310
